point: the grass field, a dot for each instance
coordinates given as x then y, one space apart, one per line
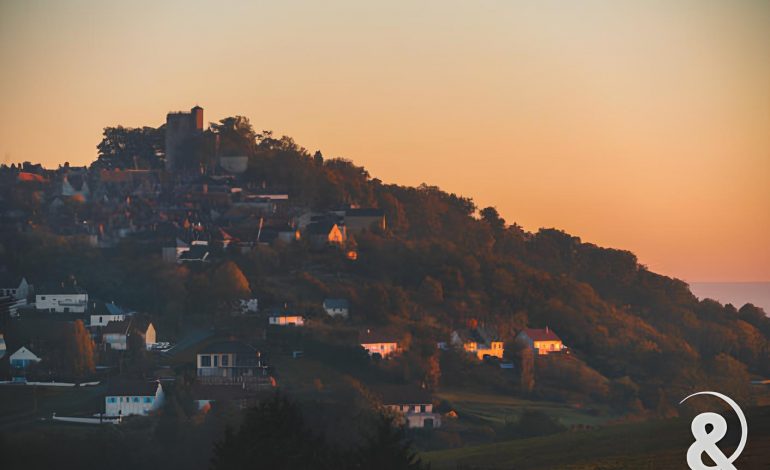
656 445
23 404
495 409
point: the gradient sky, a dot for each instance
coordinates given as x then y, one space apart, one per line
642 125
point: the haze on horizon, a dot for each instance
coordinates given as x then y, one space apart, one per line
641 125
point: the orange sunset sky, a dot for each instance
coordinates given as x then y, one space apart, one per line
642 125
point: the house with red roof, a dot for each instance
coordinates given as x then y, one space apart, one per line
541 341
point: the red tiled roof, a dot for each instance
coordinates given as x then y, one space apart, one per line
541 334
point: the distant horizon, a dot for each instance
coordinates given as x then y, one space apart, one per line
735 293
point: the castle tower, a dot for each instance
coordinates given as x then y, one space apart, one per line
181 128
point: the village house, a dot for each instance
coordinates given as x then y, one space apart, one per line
23 358
15 287
61 299
413 406
322 234
285 320
337 307
103 313
115 334
360 219
133 397
230 362
541 341
378 343
479 341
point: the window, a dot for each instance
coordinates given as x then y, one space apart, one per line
136 400
147 400
225 360
112 400
42 297
216 360
206 361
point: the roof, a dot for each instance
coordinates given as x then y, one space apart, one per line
231 346
403 395
196 252
365 212
11 280
371 336
134 388
60 288
24 354
536 334
320 228
219 392
116 327
336 303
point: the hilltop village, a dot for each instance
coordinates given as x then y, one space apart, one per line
204 268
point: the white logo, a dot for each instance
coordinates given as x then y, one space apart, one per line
706 441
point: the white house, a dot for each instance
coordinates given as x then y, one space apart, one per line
15 287
115 334
229 362
127 398
62 299
286 320
23 358
2 346
103 313
541 341
378 343
337 307
413 406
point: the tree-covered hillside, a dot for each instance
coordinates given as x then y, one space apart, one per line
639 340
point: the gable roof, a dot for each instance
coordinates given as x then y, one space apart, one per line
370 336
540 334
230 346
117 327
403 395
24 354
59 289
134 388
321 228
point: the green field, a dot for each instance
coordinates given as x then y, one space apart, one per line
660 444
495 409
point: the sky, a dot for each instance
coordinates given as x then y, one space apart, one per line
642 125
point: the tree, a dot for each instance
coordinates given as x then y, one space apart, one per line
387 448
272 436
492 217
236 136
79 351
527 368
130 148
228 283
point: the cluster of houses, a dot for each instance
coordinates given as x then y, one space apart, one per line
41 316
188 217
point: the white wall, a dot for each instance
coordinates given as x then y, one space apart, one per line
60 303
133 405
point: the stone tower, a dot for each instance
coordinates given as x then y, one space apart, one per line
181 129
